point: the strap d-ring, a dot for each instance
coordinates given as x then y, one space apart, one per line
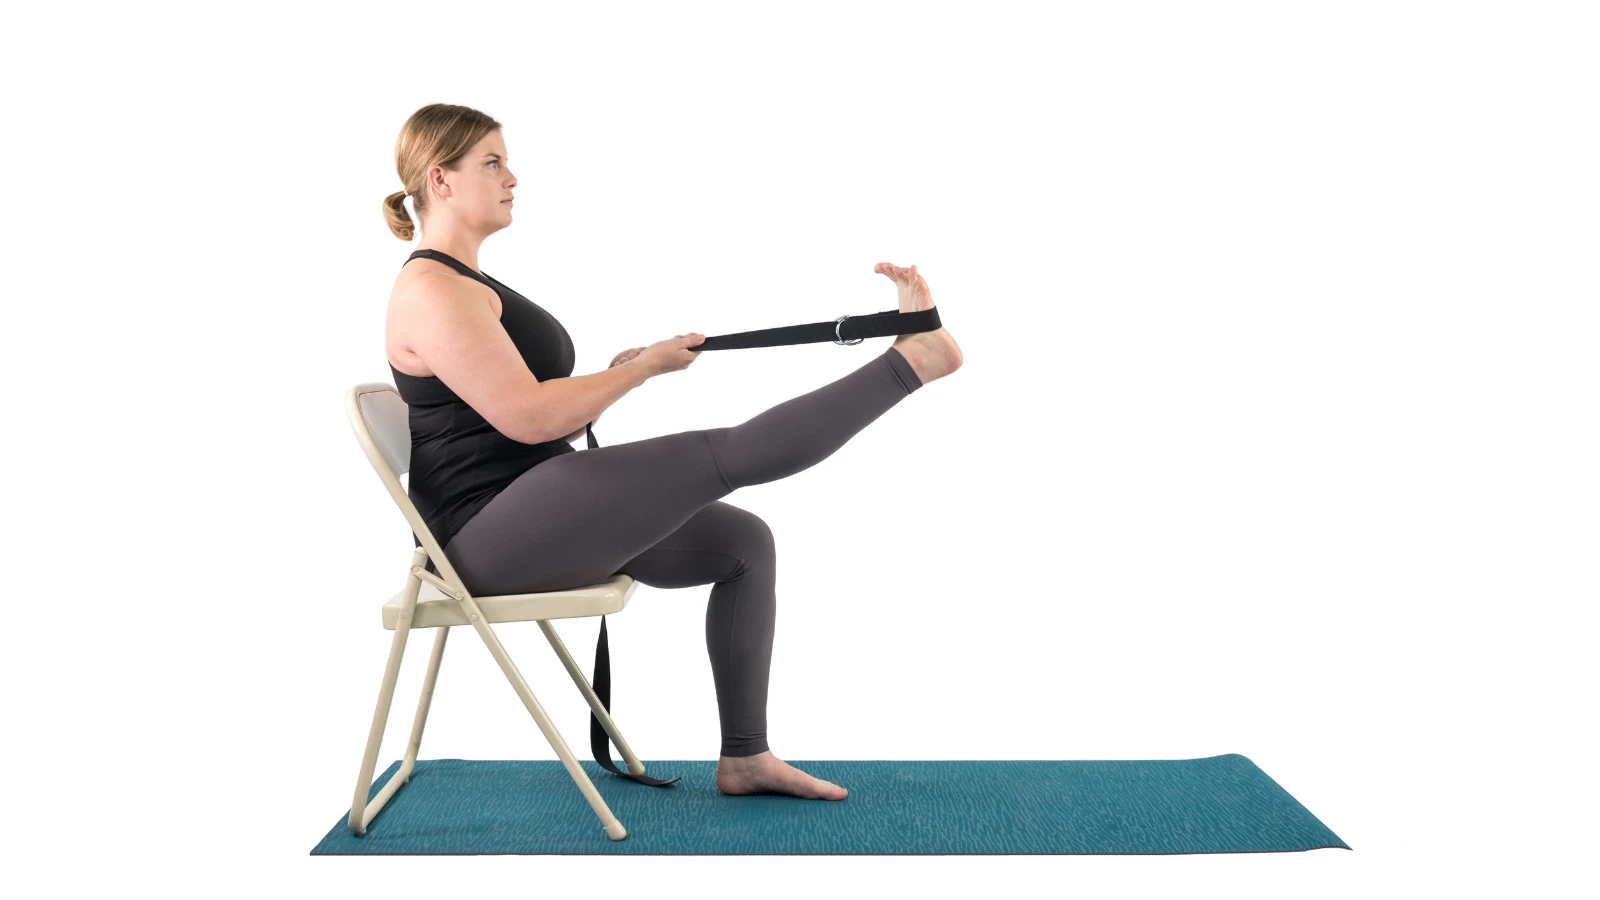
839 338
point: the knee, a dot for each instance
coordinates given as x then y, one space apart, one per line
753 542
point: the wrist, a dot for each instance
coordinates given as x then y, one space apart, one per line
640 371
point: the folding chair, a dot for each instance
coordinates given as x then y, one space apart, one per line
382 426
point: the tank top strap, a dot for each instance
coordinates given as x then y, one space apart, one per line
450 261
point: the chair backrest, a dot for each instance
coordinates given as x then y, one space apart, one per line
388 422
382 423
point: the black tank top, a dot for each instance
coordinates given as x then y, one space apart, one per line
459 462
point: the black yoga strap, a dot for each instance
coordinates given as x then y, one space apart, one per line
844 330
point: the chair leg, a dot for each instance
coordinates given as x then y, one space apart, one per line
578 678
613 828
424 702
363 812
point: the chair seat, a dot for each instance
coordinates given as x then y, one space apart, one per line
436 608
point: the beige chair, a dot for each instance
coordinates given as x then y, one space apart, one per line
381 423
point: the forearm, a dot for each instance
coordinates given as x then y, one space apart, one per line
570 404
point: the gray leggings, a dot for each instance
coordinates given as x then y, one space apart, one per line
650 509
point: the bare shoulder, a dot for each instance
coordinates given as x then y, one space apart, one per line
423 284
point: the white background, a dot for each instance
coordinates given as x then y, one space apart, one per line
1276 434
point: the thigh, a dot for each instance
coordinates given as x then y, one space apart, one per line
576 518
718 543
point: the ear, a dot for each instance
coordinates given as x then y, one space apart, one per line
436 180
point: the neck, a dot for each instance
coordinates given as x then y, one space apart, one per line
461 247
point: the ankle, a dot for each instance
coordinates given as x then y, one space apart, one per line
922 365
736 762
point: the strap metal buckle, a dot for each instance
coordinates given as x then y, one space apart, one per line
839 338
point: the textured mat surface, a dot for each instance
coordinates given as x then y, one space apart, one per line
1218 804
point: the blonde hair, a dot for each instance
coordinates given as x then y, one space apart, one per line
439 134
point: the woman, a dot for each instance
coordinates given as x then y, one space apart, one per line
493 404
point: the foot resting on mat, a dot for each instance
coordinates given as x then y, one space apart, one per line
932 354
765 773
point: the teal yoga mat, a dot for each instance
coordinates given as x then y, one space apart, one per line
1218 804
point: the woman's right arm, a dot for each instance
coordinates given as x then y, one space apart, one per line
571 403
460 340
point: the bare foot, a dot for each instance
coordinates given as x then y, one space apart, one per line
932 354
765 773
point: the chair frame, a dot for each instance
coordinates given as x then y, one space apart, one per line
389 451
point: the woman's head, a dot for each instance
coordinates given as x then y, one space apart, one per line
452 161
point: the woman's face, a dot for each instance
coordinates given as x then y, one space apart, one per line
481 185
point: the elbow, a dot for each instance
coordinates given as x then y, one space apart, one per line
530 436
523 430
533 425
